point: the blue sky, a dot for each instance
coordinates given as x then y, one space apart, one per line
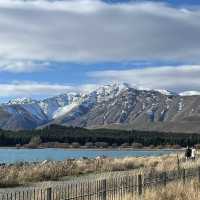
92 42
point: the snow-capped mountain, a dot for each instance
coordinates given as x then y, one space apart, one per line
38 112
115 105
55 106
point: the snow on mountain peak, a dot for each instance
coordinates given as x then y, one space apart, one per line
190 93
64 110
53 106
107 92
57 106
113 88
19 101
164 92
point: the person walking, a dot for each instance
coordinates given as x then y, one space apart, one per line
188 153
193 153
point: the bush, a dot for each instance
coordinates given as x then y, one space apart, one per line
61 145
124 145
176 146
197 146
18 146
137 145
35 140
89 144
75 145
160 147
101 144
114 145
151 146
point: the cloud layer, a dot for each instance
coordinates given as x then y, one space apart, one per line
179 78
29 89
22 66
91 30
36 32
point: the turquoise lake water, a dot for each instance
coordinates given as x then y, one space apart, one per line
12 155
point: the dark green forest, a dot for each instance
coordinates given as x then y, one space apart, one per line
61 134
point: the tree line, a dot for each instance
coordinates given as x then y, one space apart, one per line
82 136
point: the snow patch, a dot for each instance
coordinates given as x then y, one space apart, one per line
180 105
64 110
164 92
190 93
107 92
19 101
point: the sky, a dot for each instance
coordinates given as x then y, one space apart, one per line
49 47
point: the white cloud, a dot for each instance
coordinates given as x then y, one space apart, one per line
29 89
174 78
20 66
91 30
179 78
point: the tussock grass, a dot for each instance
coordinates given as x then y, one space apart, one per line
173 191
21 174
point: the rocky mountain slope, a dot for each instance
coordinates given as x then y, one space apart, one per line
110 106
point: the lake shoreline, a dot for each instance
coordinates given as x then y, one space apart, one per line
20 155
99 149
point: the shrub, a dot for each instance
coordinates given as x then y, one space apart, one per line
61 145
197 146
151 146
137 145
101 144
124 145
75 145
35 140
114 145
18 145
89 144
176 146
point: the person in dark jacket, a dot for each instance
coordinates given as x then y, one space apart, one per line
188 153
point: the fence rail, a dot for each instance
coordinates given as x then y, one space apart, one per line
115 188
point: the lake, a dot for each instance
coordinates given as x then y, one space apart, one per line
12 155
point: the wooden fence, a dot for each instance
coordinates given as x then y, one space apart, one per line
115 188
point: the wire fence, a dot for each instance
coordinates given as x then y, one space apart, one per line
111 188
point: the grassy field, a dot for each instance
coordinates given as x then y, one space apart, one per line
173 191
23 174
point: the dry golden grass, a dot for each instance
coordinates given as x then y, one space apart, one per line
173 191
22 174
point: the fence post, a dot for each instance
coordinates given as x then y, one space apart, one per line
104 190
199 174
183 176
178 163
165 178
48 193
140 184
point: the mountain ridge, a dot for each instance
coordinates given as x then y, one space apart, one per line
115 105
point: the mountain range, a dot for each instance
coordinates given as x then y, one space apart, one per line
109 106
